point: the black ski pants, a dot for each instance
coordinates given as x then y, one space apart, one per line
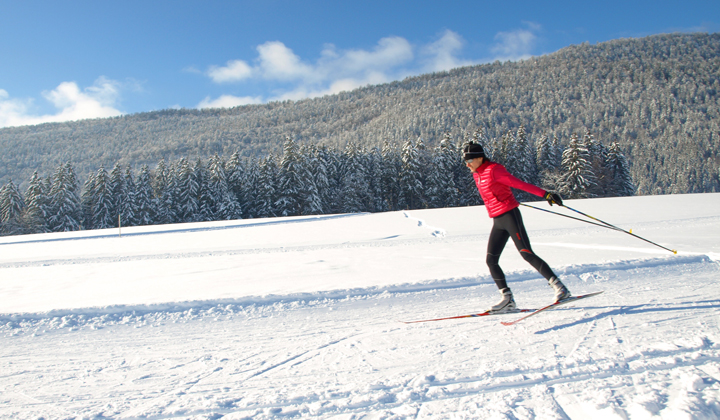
510 225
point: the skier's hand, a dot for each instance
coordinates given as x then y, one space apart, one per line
553 198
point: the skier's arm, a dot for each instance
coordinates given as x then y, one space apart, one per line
501 175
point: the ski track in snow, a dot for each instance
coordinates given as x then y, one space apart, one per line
347 357
647 348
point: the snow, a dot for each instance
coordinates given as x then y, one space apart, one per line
298 318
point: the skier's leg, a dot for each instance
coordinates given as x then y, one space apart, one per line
516 229
496 243
522 242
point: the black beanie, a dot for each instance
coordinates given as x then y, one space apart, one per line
473 150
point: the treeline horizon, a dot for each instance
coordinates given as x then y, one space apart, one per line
307 180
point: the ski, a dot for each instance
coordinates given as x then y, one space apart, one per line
486 313
551 306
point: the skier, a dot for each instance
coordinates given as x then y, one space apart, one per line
494 183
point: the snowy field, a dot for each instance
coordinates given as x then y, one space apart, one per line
298 318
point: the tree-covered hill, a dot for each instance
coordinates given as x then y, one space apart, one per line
657 97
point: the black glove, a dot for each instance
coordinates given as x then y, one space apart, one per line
553 198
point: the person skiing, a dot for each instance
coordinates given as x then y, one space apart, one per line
494 183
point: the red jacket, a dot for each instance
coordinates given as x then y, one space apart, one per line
494 183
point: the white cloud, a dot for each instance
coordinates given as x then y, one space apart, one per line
337 70
228 101
278 62
517 44
234 71
388 54
96 101
442 54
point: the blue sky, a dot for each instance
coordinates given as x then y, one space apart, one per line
70 60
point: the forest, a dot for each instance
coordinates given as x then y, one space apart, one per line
306 180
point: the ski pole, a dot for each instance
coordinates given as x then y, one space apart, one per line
674 251
569 217
610 226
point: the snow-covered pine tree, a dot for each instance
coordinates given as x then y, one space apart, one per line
425 161
326 179
373 161
290 180
441 189
524 166
620 182
145 205
316 179
389 176
128 206
265 195
118 191
37 202
411 187
237 181
598 157
225 205
87 201
355 194
102 205
163 194
248 188
65 209
12 207
547 163
187 192
206 201
577 179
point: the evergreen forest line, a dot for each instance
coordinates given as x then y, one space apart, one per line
306 180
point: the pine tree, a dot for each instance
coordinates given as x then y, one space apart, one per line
411 187
316 180
145 205
249 189
12 207
163 195
224 203
37 202
237 181
324 173
355 194
389 177
524 166
128 205
65 209
290 181
103 204
620 182
87 202
118 191
265 192
205 199
186 192
441 190
598 158
577 179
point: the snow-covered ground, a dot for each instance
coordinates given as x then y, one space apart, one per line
298 318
